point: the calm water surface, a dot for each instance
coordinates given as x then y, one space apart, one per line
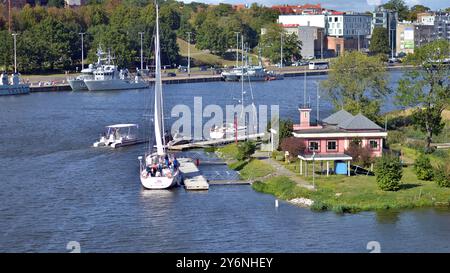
56 189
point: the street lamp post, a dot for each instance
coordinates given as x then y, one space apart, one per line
281 55
237 48
82 49
142 50
314 170
189 53
15 52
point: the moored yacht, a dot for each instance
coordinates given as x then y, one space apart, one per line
109 77
77 84
12 86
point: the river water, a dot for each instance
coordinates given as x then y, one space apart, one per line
55 188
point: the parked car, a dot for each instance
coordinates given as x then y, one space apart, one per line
171 74
182 68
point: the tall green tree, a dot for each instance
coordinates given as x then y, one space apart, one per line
398 6
427 89
271 45
416 9
379 44
358 83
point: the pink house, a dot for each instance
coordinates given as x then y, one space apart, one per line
328 141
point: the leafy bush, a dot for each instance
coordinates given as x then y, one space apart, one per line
293 145
361 155
388 171
442 176
395 137
423 168
245 150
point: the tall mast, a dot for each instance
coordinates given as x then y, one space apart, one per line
242 77
15 52
142 50
158 121
237 49
82 50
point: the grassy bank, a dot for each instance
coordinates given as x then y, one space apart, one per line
341 193
248 169
359 193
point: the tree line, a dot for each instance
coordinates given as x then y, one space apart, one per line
49 38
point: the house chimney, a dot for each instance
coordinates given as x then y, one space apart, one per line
305 113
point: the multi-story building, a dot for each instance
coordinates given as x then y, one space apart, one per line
343 31
425 18
442 25
312 39
386 19
412 35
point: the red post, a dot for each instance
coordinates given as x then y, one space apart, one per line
197 162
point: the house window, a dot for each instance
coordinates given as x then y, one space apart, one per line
314 146
373 144
331 145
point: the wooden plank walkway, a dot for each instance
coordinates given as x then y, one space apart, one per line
193 180
213 142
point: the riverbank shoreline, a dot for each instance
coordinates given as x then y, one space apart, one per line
183 79
341 194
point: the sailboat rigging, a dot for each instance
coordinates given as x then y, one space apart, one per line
158 170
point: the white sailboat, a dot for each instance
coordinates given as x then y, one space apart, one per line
228 130
154 171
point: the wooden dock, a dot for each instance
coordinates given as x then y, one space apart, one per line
214 142
193 180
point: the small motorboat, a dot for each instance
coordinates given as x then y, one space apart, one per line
119 135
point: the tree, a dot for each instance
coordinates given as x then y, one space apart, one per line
398 6
427 89
388 171
416 9
293 145
245 150
357 83
361 155
423 168
442 176
379 44
271 45
213 37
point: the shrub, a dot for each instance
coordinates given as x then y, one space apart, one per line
292 145
423 168
361 155
245 150
442 176
395 137
388 171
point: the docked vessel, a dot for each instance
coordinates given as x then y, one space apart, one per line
158 170
77 84
253 73
109 77
12 86
119 135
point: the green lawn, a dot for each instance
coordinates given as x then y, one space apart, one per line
228 152
202 57
359 193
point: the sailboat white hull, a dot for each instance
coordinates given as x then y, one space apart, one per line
160 183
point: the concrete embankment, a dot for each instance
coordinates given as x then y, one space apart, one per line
203 78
